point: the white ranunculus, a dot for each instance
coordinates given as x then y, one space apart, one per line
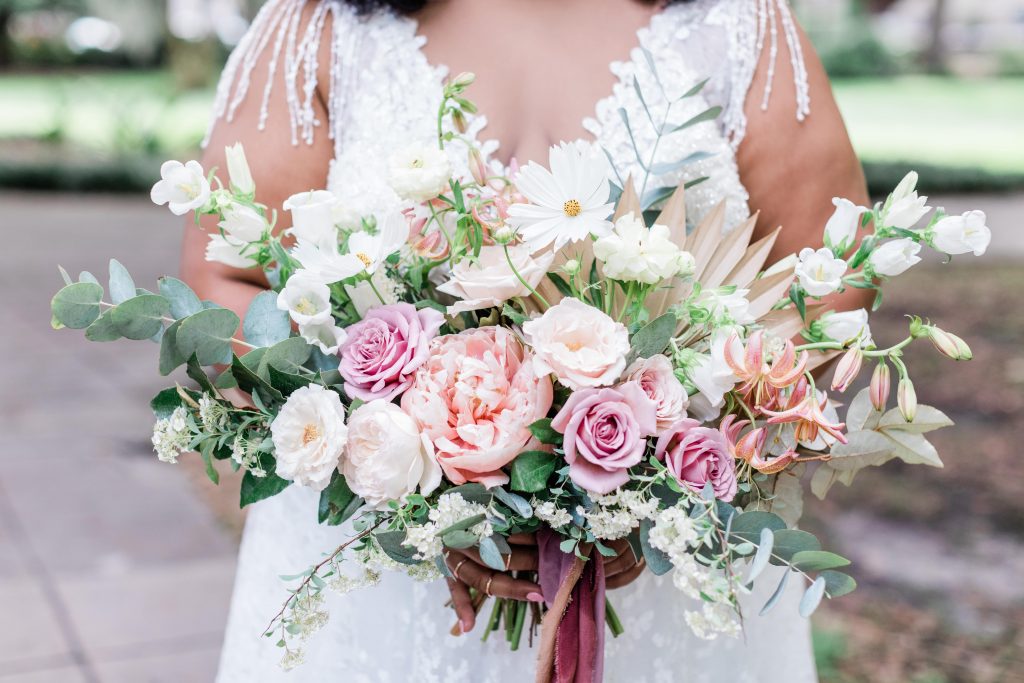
306 298
841 229
242 224
419 172
820 272
894 257
364 298
634 253
238 170
712 376
387 457
309 436
313 217
579 344
489 281
847 326
222 250
657 378
905 208
961 234
327 336
182 187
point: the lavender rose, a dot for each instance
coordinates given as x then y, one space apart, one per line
698 455
605 434
384 349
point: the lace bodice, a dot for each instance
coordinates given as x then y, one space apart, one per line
383 94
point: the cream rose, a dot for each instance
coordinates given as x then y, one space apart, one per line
309 436
634 253
579 344
657 378
489 281
387 457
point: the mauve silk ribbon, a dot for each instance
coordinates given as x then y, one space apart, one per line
579 646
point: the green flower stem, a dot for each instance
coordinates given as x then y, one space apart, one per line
492 621
614 623
375 290
440 224
520 608
508 257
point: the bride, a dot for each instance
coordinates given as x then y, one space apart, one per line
321 93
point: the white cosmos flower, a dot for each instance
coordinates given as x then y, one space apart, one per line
820 272
419 172
306 298
489 281
182 187
309 436
905 208
326 336
841 229
373 250
313 217
894 257
567 203
634 253
325 262
961 234
847 326
238 170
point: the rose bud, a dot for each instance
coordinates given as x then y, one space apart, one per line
906 398
847 369
880 386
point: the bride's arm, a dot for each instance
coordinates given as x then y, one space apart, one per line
792 169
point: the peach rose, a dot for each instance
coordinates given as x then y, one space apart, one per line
475 398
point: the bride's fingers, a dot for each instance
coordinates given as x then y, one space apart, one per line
627 577
523 539
523 558
498 584
462 603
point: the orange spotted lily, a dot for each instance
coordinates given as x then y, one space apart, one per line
763 380
805 409
750 447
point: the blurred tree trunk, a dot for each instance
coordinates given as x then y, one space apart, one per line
935 55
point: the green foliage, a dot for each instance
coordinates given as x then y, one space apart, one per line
337 502
121 287
391 542
657 561
545 433
208 334
182 300
265 324
77 305
531 470
653 338
255 489
139 317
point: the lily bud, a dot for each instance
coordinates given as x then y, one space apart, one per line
847 369
464 79
459 121
879 390
949 344
477 167
906 398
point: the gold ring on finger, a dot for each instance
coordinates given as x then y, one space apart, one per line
458 566
487 586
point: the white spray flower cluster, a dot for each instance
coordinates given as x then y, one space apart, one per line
171 436
549 513
615 515
451 509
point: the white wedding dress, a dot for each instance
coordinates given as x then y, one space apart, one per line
383 95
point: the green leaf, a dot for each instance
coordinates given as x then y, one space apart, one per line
337 502
817 560
861 415
512 314
474 493
255 489
164 403
695 89
673 166
140 317
286 382
653 338
657 561
195 371
764 554
862 444
459 539
913 448
180 296
490 554
838 584
789 542
77 306
206 451
86 276
103 328
777 594
466 523
708 115
250 382
286 356
64 275
208 334
122 287
265 324
812 598
545 433
748 525
392 543
531 470
516 503
560 284
170 357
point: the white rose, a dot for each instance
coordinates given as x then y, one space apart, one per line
961 234
489 281
387 457
306 298
313 217
579 344
222 250
309 436
905 208
895 257
238 170
820 272
327 336
847 326
182 187
841 229
712 376
634 253
657 378
419 172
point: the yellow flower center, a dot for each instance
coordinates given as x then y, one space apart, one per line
572 208
574 346
367 261
191 191
310 433
305 306
417 163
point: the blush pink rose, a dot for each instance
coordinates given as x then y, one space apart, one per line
698 455
657 378
475 398
384 349
605 434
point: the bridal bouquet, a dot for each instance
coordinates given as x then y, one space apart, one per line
536 351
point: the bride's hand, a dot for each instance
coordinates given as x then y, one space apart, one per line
470 571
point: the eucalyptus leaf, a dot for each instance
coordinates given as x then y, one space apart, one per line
490 554
653 338
812 597
208 334
789 542
103 328
121 287
180 296
464 524
459 539
657 561
838 584
86 276
140 317
265 324
474 493
748 525
286 356
818 560
780 590
64 275
516 503
170 357
764 554
78 305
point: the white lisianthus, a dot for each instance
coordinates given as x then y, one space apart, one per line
489 281
326 336
904 208
223 250
419 172
711 375
313 217
820 272
568 203
182 187
961 234
372 250
841 229
238 170
307 299
309 436
847 326
634 253
388 457
894 257
579 344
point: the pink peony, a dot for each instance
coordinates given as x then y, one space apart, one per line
697 455
657 378
385 348
475 398
605 434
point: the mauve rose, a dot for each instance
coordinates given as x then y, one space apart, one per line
658 380
697 455
605 434
385 348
